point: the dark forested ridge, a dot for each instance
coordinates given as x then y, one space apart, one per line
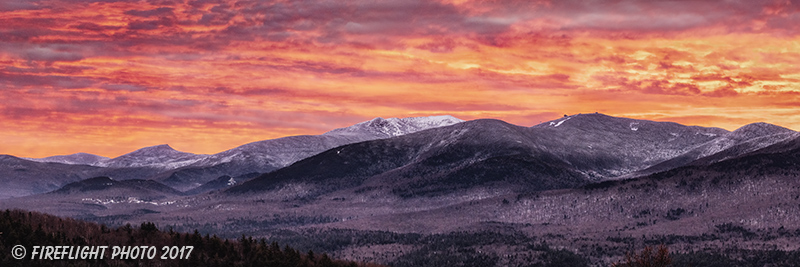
30 229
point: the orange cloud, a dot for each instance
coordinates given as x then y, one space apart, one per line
110 76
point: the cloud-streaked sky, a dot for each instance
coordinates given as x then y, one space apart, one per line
110 76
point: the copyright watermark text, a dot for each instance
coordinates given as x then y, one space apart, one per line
102 252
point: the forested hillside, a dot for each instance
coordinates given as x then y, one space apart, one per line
30 229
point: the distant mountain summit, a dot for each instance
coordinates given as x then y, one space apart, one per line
758 129
391 127
160 156
746 139
75 159
22 177
605 147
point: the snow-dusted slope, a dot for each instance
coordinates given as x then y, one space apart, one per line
274 153
604 147
755 135
74 159
160 156
391 127
744 140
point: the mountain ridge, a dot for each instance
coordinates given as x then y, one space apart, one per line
470 149
160 156
571 151
595 146
184 171
79 158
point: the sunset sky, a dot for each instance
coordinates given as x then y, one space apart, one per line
107 77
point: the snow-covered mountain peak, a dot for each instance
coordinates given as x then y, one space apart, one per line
432 121
610 125
581 119
746 139
380 127
758 129
160 156
594 121
159 149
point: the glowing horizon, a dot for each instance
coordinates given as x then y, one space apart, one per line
107 77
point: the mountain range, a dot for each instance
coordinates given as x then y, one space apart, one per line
184 171
564 153
590 183
417 156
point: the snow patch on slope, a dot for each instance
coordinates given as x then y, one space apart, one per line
556 124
